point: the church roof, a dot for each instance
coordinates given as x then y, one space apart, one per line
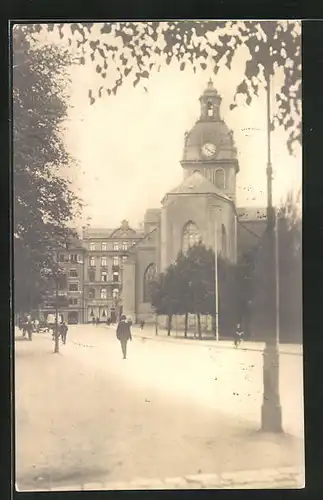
197 184
210 90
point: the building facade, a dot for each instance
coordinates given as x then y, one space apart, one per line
70 286
107 251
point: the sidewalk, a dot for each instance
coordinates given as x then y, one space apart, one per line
70 437
281 478
149 333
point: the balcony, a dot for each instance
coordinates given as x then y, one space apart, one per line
91 302
103 283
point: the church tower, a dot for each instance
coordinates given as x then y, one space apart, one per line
209 146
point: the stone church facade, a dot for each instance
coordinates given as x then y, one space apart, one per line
202 207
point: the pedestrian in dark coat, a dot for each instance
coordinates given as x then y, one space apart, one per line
97 321
29 329
93 320
142 324
63 331
238 338
124 334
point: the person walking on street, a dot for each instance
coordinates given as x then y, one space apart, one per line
97 321
123 334
36 322
93 320
63 331
238 335
29 329
142 324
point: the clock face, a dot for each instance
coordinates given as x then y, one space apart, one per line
208 150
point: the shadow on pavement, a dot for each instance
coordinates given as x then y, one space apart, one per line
51 478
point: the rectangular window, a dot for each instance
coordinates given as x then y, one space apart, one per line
103 294
73 302
92 247
134 242
73 257
61 257
124 258
92 261
115 260
115 277
73 287
91 293
91 275
124 245
73 273
104 276
115 245
103 261
104 246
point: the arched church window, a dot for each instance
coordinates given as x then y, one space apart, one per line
149 276
209 108
223 241
191 236
220 178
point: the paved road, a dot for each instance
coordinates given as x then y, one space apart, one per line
168 410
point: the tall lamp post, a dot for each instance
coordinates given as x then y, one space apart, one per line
271 411
216 275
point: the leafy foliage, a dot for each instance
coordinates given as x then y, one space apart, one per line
188 285
289 273
44 203
136 49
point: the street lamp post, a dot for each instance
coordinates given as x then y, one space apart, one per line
216 279
216 275
271 411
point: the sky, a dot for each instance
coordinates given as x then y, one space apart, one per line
128 147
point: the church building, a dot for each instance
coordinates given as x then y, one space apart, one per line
203 207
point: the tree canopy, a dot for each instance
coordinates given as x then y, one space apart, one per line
188 285
136 49
44 203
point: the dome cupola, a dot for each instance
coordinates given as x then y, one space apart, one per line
210 103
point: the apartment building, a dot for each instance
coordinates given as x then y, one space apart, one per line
107 251
70 285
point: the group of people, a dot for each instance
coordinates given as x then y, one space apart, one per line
62 331
28 325
96 321
123 332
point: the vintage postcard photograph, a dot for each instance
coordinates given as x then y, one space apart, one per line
157 210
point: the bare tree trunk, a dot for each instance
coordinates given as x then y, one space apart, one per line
199 325
169 326
186 325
